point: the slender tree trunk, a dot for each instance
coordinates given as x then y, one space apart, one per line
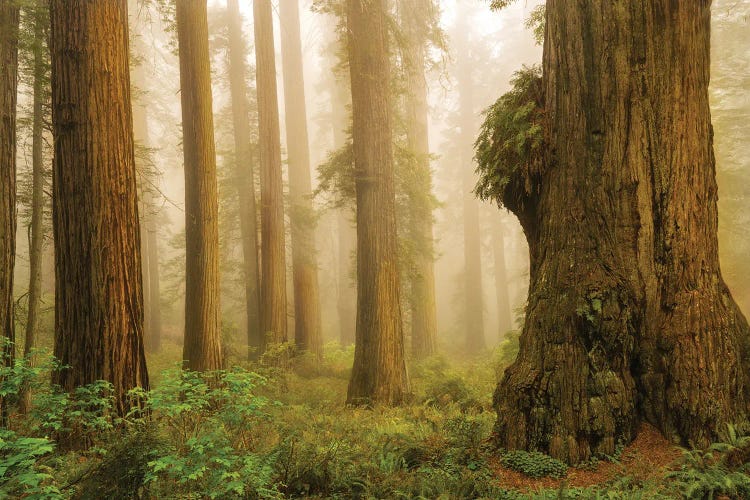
628 315
202 347
99 299
9 18
347 293
423 308
474 304
36 239
149 242
504 316
243 151
347 301
154 321
273 259
307 323
379 372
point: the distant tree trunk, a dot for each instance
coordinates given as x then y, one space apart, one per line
202 348
244 177
379 372
504 316
628 314
154 286
9 18
149 242
347 300
347 293
473 297
36 242
423 309
273 259
307 323
99 299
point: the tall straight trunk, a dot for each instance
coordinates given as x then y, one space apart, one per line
629 317
99 298
346 302
504 316
423 308
202 347
243 168
473 298
149 243
153 326
307 325
379 371
272 250
9 18
36 238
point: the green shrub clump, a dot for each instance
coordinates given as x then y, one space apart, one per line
534 464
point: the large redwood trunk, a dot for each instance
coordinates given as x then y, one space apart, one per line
99 298
273 249
307 334
628 315
379 372
202 345
9 18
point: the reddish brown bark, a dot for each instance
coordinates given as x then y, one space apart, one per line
379 372
99 300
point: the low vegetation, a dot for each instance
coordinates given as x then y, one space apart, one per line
270 432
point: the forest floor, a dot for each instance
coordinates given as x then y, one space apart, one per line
283 431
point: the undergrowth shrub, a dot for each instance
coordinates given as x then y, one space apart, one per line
534 464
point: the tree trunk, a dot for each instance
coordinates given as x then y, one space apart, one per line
504 316
154 321
202 347
423 308
36 242
99 300
473 297
9 18
379 372
273 258
628 315
243 157
307 324
347 300
346 303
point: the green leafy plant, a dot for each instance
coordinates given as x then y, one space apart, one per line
534 464
22 473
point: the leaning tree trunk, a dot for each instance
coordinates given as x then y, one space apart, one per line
202 345
422 300
273 258
379 371
307 334
99 300
628 315
243 165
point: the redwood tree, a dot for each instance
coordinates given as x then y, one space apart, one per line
243 158
273 260
202 347
99 298
9 18
379 372
307 325
415 21
628 318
